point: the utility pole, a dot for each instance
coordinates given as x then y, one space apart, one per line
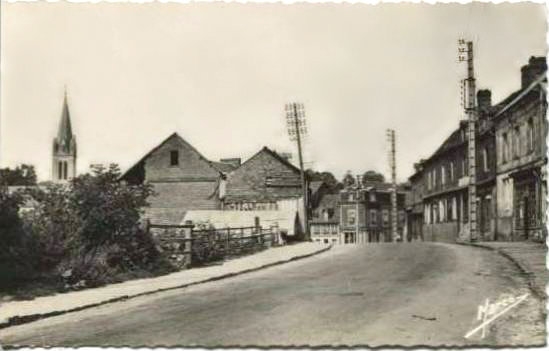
392 165
295 118
465 50
357 197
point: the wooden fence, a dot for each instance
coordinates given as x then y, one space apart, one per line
186 246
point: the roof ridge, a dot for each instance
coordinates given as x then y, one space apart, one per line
180 138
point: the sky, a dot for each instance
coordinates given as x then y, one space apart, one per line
220 74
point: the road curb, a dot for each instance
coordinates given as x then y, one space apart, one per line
18 320
538 291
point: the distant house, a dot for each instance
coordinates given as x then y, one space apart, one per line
365 213
182 177
324 222
265 182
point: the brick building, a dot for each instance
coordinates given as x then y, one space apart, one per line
365 213
521 130
183 180
414 205
509 179
265 182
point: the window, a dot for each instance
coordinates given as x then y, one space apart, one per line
442 210
429 181
373 218
530 135
325 214
454 208
65 170
351 216
351 197
59 170
485 159
372 196
505 148
385 216
442 175
434 178
401 218
174 158
452 171
316 229
516 142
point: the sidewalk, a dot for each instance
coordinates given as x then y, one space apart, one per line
529 256
18 312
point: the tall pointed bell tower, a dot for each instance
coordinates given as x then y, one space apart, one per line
64 148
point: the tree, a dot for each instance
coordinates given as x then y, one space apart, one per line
16 250
89 230
327 177
109 211
348 179
372 177
21 175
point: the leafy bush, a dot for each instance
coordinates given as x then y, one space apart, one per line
108 211
52 224
88 231
17 249
208 245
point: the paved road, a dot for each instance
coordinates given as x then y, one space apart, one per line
382 294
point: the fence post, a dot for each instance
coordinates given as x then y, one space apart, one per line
188 242
276 235
258 230
228 247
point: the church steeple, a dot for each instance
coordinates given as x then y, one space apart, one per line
65 130
64 147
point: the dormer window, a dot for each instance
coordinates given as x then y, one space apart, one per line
174 158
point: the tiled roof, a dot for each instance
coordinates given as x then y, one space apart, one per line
329 200
281 159
266 176
518 95
223 167
315 185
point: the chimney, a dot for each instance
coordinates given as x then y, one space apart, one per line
235 162
484 99
535 67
